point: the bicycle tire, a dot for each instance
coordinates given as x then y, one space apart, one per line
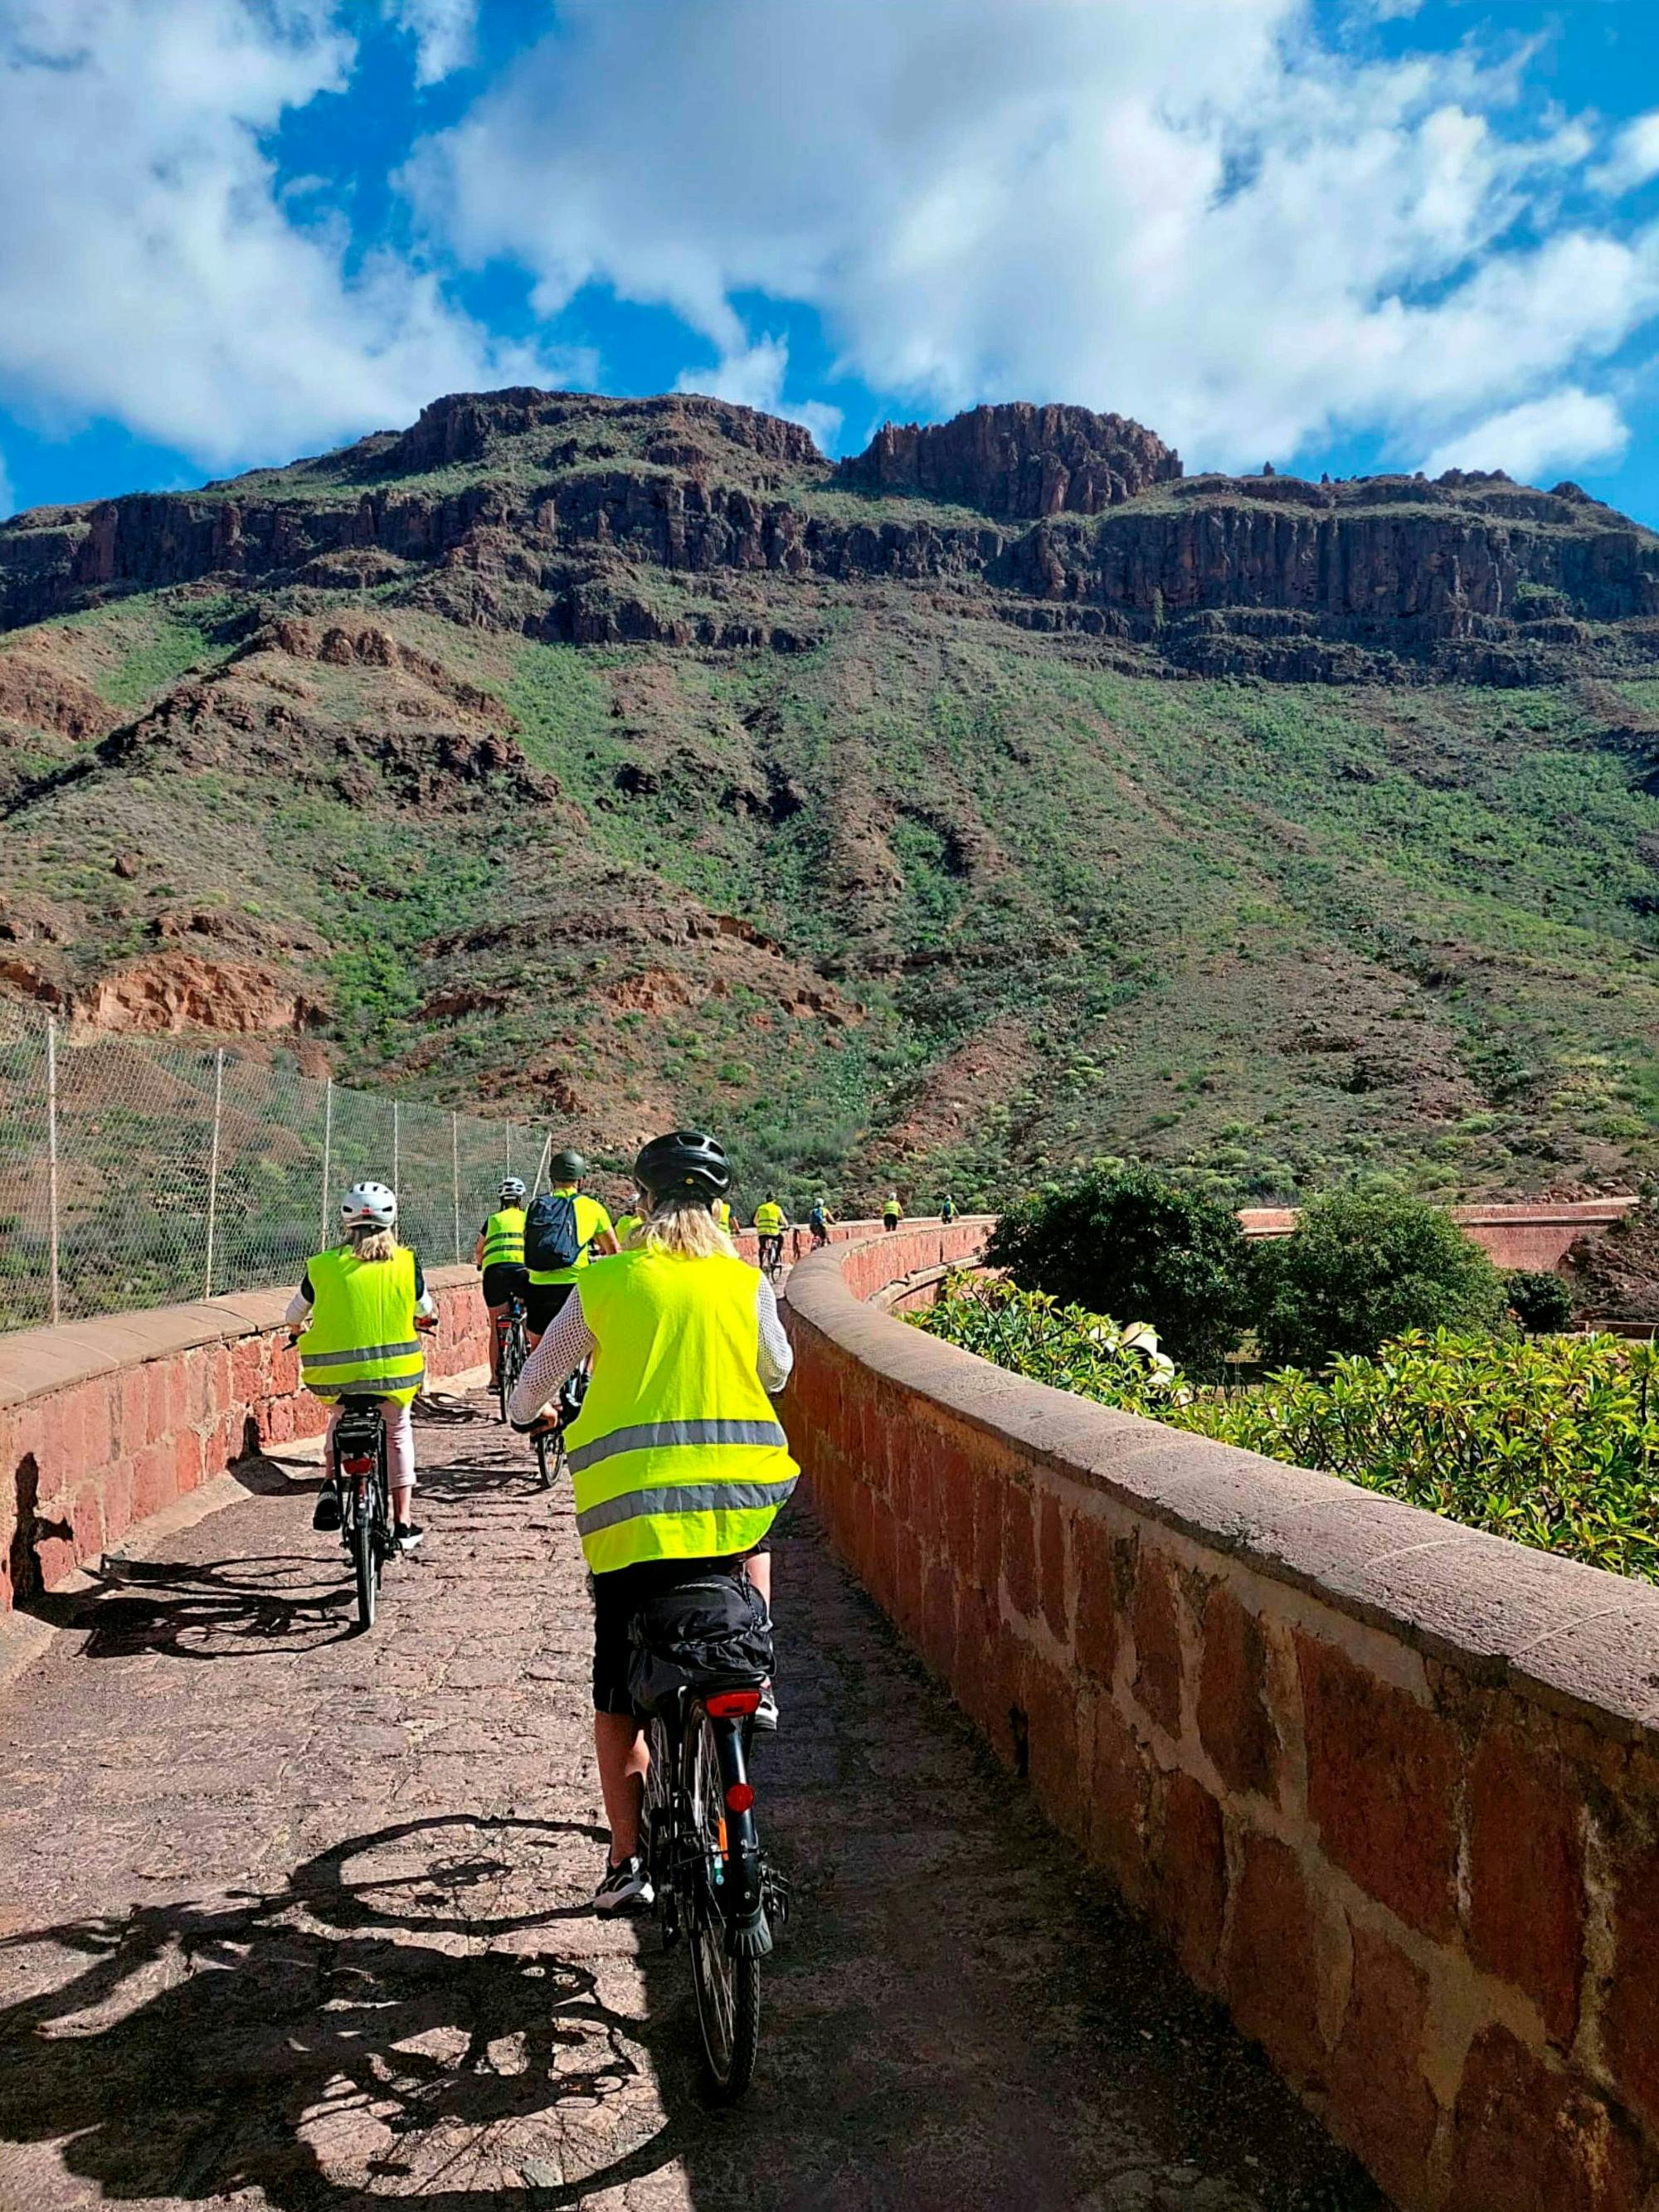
545 1477
366 1565
727 1989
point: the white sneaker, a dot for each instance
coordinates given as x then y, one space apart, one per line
626 1888
766 1713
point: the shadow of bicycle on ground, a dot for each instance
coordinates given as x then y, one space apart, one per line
399 2018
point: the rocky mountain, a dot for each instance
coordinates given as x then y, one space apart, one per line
997 796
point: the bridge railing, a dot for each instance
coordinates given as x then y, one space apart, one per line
1389 1786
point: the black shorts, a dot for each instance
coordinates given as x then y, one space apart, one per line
617 1597
502 1279
543 1303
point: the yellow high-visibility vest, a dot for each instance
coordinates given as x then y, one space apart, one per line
722 1214
361 1336
768 1218
504 1238
625 1225
678 1452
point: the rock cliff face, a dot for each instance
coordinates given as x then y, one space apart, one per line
548 514
1018 462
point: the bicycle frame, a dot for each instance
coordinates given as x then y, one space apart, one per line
731 1882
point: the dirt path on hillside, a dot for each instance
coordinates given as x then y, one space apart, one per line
296 1921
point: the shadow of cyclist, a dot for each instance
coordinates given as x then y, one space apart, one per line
339 2031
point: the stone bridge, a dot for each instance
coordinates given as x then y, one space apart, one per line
1171 1828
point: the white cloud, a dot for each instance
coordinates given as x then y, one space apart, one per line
754 377
1634 159
159 278
1193 210
444 32
1539 437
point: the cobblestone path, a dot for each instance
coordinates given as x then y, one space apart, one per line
296 1920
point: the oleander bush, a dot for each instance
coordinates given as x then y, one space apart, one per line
1552 1441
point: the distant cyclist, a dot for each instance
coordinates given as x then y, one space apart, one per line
678 1460
500 1252
770 1222
722 1213
626 1224
357 1308
947 1212
819 1221
562 1229
891 1212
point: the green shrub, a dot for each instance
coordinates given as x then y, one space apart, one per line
1034 1335
1360 1267
1554 1443
1126 1240
1540 1301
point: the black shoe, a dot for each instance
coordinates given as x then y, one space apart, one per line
626 1888
325 1517
407 1537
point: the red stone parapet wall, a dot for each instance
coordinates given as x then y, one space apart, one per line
1389 1787
1537 1233
104 1422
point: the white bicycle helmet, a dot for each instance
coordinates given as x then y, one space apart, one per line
369 1206
511 1187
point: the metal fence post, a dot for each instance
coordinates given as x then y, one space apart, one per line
51 1157
213 1168
395 1144
455 1177
507 1170
541 1165
328 1147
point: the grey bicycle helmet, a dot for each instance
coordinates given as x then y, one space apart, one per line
683 1160
512 1188
567 1167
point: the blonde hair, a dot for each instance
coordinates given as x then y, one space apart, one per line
683 1226
368 1243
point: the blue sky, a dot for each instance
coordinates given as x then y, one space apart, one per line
1351 235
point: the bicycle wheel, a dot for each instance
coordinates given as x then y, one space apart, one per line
514 1352
728 1990
547 1458
365 1558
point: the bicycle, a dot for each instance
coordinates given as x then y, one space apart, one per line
552 1452
360 1480
771 1256
710 1876
512 1335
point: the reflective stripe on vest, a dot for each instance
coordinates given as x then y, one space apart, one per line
678 1452
768 1219
504 1238
361 1337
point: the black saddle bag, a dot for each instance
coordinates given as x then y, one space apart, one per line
711 1634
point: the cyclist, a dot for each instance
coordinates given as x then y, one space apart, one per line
678 1461
500 1253
562 1231
723 1213
819 1221
947 1212
625 1223
891 1212
357 1308
770 1222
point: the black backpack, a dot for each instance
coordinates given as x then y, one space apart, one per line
714 1633
551 1238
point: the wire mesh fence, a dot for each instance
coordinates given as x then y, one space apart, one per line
136 1172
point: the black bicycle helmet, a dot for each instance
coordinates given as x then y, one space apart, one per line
567 1167
686 1159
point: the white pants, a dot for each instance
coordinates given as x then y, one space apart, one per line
399 1443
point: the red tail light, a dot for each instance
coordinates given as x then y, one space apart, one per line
358 1465
732 1704
740 1796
